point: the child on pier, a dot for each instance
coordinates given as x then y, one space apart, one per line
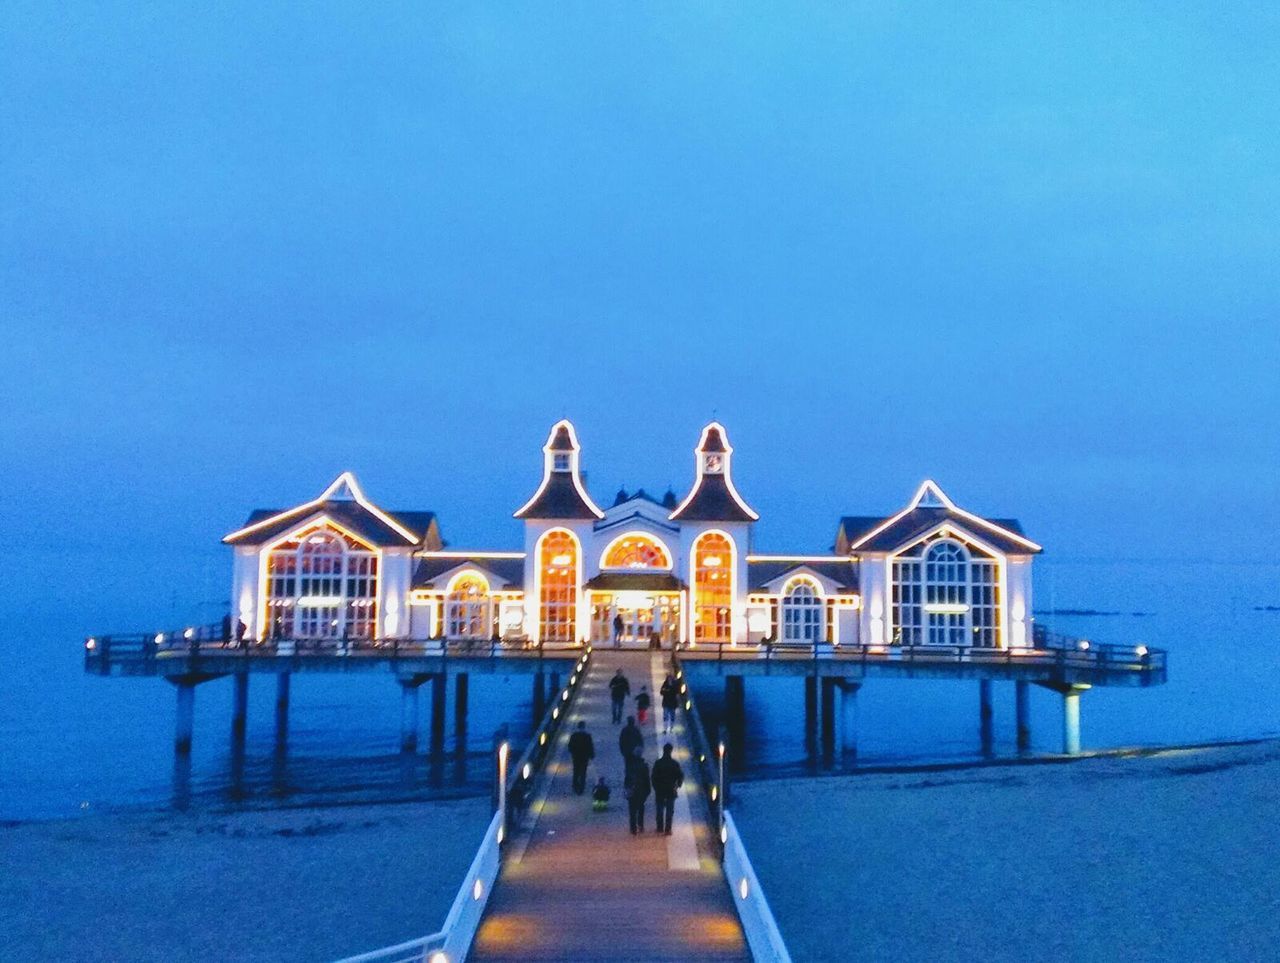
642 704
600 796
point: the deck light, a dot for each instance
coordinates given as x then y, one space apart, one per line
159 638
743 889
1084 645
1141 651
724 834
477 889
91 644
189 634
713 793
439 956
564 696
542 739
526 770
555 713
688 704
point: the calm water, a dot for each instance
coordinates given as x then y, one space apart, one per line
71 743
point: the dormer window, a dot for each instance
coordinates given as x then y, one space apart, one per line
713 463
560 461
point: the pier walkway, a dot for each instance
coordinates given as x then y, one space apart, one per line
578 886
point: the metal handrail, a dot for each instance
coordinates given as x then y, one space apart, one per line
706 754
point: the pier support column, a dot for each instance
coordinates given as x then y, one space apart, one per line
849 719
1071 721
735 718
185 721
986 716
1022 708
829 700
239 707
409 715
812 713
282 710
553 689
461 695
439 692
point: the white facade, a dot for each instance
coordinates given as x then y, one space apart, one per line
643 571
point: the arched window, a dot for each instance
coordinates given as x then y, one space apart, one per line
945 593
635 550
558 587
802 612
468 610
322 584
712 588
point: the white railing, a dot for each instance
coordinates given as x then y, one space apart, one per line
452 943
761 929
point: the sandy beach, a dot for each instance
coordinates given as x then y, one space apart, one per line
1157 857
305 885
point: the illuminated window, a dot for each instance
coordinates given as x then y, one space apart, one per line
713 588
322 584
946 594
636 551
468 610
558 587
802 613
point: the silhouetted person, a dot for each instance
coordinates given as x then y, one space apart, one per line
617 630
630 739
642 704
600 796
582 749
670 693
619 689
637 788
668 777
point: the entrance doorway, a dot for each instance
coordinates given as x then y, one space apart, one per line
642 615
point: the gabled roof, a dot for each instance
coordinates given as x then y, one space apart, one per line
927 510
762 571
561 494
432 571
345 504
713 497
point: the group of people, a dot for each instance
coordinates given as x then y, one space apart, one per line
640 781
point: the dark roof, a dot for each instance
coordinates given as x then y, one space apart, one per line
714 440
558 498
349 514
843 572
712 501
636 581
510 570
560 439
918 521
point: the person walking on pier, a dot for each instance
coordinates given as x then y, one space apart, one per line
668 777
637 788
630 739
619 689
642 704
582 749
670 693
617 630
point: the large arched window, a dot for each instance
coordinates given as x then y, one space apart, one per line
322 584
558 586
946 593
712 588
467 607
636 550
802 612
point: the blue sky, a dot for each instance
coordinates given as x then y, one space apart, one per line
1027 249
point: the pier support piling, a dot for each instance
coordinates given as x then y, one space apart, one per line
1071 721
849 720
553 689
539 697
282 710
986 716
811 715
1022 708
439 692
239 708
185 720
461 695
830 731
409 715
735 712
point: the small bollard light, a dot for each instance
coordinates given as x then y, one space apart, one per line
189 634
159 638
526 770
542 739
743 889
688 704
1084 645
91 644
1141 651
477 890
713 793
555 713
724 834
438 957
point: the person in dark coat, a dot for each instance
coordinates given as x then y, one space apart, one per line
619 689
637 789
670 693
642 704
582 749
667 778
617 630
630 739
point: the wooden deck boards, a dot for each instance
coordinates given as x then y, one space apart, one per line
584 888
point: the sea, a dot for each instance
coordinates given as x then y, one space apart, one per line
73 744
